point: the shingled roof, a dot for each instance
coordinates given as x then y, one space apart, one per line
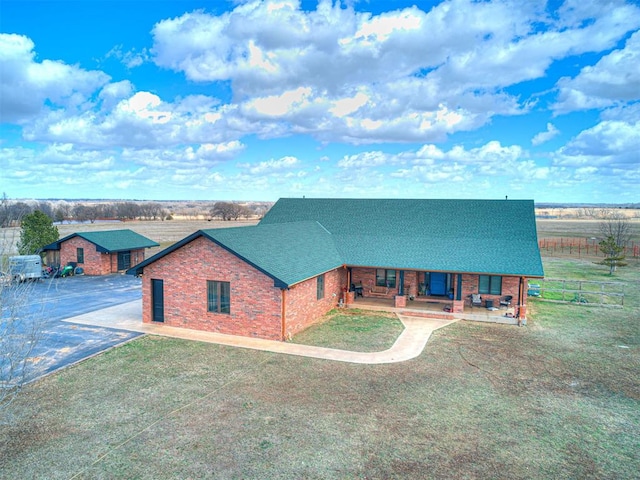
110 241
288 253
475 236
301 238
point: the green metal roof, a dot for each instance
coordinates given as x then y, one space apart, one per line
301 238
109 241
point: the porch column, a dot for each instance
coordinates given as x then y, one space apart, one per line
521 314
457 306
401 286
349 296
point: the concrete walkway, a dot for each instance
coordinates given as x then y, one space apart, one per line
408 345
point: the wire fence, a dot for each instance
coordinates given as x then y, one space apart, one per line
579 292
588 247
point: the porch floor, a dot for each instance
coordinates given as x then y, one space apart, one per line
435 308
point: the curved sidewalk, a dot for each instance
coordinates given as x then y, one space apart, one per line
408 345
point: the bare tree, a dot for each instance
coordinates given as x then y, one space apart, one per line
151 211
127 211
61 212
80 212
21 327
4 211
11 212
617 226
229 210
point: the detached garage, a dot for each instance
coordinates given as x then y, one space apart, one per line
100 253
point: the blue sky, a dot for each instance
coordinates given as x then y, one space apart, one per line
260 100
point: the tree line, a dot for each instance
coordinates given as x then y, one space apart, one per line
11 213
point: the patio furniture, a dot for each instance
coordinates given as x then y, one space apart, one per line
476 300
378 291
506 301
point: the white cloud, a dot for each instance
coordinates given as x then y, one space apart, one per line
280 105
336 76
129 59
404 75
141 120
112 93
610 144
346 106
489 158
545 136
271 166
27 84
614 79
366 160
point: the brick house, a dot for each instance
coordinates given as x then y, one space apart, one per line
274 279
99 253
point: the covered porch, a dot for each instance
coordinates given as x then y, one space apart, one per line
442 294
436 308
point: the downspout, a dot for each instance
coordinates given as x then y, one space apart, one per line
283 315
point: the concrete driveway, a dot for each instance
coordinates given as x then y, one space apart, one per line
62 343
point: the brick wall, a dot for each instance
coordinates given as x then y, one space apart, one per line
510 286
302 305
367 277
95 263
255 303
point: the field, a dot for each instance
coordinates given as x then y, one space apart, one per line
165 233
559 398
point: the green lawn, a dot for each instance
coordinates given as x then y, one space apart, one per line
558 399
354 330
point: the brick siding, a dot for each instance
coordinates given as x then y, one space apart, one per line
95 262
255 302
302 305
256 305
510 286
367 277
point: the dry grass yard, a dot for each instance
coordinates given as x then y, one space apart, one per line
558 399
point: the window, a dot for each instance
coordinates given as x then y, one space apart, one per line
124 260
80 255
490 284
385 278
320 287
218 297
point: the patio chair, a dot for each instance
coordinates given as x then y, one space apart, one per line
506 301
476 300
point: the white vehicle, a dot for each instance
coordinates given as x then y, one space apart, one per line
25 267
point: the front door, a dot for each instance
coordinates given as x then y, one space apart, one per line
438 284
157 300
